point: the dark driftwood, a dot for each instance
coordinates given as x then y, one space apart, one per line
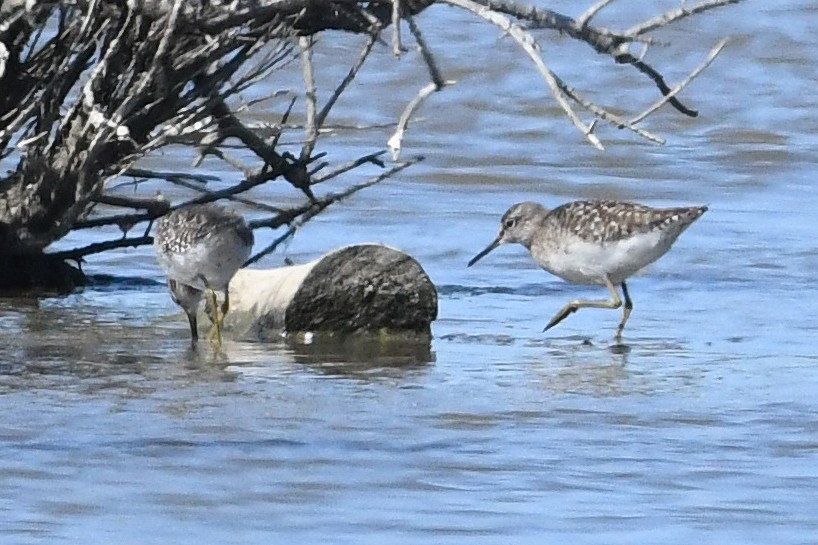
366 288
39 273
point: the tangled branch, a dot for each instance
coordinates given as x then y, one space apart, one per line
91 87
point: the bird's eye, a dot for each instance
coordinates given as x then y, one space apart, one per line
509 223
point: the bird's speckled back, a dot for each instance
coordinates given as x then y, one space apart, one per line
186 226
608 221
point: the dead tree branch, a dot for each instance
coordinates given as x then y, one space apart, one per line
88 88
507 14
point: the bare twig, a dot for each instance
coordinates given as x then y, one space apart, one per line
397 47
394 142
166 175
311 126
97 247
299 216
583 20
428 58
156 205
209 148
294 172
618 121
526 41
273 246
659 80
601 39
353 71
373 158
284 117
233 197
673 16
673 92
606 41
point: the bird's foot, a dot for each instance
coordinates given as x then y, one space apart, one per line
566 311
618 336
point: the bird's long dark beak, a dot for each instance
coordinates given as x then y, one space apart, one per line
483 254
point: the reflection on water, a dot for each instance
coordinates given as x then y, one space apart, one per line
114 431
363 355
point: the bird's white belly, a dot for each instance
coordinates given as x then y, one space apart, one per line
583 262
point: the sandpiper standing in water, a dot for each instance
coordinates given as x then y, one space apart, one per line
599 243
200 247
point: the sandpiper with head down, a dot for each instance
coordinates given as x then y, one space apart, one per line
200 247
600 243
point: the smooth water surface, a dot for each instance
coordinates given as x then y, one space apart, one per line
706 430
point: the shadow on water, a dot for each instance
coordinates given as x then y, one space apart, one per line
640 366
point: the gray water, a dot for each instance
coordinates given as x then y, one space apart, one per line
706 430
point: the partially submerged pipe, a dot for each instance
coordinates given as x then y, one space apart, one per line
364 288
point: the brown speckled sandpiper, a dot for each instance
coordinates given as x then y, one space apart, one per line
200 247
600 243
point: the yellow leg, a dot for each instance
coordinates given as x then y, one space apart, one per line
221 313
216 318
574 306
